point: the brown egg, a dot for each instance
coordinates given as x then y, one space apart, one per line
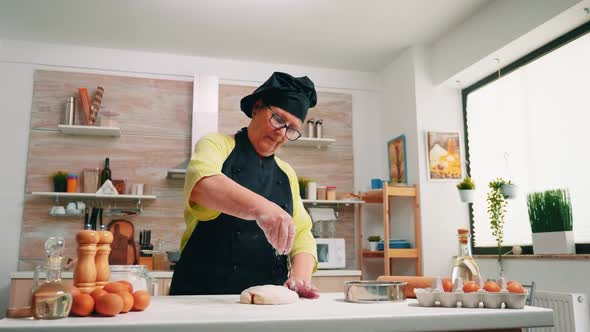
83 305
516 287
141 300
98 292
73 290
127 301
109 304
128 284
115 287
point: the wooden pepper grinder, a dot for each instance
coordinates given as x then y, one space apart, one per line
85 272
103 270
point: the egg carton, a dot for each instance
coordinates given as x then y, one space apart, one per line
428 297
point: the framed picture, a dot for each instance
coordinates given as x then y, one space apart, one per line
396 152
444 156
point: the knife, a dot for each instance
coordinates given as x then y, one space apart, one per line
102 228
86 224
93 218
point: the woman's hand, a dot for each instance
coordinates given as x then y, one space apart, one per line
277 226
302 287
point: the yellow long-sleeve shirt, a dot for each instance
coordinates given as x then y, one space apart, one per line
210 153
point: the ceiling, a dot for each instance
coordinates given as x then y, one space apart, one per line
355 35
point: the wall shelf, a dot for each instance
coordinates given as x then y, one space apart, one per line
307 141
393 253
176 173
332 202
89 130
91 196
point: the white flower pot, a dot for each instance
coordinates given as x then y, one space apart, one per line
554 243
373 246
467 196
509 191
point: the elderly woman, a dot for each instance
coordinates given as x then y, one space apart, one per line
246 224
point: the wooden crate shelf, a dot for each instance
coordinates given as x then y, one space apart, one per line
382 196
393 253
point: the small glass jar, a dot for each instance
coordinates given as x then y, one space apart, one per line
137 275
319 128
331 193
107 117
72 183
310 128
321 193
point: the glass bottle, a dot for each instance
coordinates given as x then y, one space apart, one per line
465 267
160 261
51 299
106 172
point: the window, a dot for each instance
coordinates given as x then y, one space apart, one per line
531 127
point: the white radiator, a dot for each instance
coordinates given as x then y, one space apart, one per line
570 311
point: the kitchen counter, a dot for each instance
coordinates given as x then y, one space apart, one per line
168 274
328 313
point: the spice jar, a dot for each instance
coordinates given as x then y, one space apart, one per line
331 193
72 181
322 193
319 128
310 128
90 180
311 190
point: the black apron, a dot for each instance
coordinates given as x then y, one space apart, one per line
227 254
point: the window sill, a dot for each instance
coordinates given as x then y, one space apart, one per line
556 256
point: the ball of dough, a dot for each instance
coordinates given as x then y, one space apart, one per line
268 294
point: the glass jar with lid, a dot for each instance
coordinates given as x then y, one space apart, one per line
107 117
137 275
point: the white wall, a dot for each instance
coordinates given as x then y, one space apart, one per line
461 53
438 108
492 32
18 60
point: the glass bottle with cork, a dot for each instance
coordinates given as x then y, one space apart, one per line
465 267
105 174
51 299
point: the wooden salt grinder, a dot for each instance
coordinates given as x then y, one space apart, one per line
103 270
85 272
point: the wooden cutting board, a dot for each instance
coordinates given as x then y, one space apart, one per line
123 246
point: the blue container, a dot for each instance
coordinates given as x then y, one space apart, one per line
395 244
376 184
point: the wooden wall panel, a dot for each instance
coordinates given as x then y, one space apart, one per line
155 121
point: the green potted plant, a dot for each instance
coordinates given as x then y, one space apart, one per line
466 190
60 181
497 205
373 241
509 190
550 215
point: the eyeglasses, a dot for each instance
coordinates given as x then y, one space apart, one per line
279 123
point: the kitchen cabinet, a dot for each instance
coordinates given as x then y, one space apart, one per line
383 197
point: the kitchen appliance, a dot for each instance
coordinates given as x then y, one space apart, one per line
331 253
324 221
